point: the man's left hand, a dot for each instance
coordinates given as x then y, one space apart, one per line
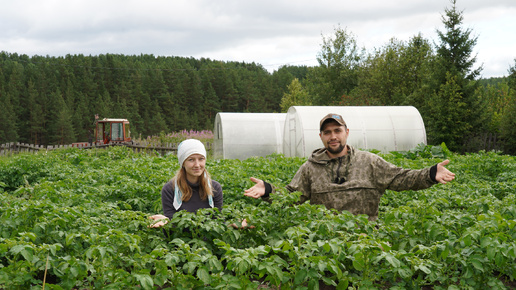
443 175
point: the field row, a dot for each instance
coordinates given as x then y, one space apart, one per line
77 219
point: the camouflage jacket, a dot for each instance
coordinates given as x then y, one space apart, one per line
354 182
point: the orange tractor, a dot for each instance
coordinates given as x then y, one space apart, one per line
109 131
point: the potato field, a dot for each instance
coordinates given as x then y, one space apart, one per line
78 219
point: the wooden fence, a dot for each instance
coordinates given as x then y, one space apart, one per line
139 146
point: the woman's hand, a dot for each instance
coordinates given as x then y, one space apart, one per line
244 225
162 220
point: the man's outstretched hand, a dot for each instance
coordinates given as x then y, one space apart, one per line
257 191
443 175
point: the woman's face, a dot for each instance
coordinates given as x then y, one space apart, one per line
194 167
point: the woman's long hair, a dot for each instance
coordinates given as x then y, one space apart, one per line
204 186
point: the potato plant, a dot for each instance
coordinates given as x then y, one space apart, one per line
77 219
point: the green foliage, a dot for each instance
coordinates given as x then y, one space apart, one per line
453 112
295 96
393 74
424 151
508 119
53 100
86 211
451 123
336 75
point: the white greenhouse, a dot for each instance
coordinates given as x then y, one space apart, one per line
243 135
396 128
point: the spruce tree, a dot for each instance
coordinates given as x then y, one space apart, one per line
508 120
454 64
36 116
8 126
60 128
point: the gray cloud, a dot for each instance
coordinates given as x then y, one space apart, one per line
267 32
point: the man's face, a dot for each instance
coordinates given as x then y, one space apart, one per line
334 137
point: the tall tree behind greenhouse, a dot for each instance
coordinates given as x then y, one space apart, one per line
453 111
393 75
336 76
296 96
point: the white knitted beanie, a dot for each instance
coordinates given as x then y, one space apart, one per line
189 147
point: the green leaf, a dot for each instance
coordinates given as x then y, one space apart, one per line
392 260
499 259
243 266
405 273
25 250
145 280
300 276
102 251
476 261
322 265
385 246
69 238
491 252
74 270
30 235
486 242
359 261
190 266
424 269
343 285
275 272
329 281
335 270
203 275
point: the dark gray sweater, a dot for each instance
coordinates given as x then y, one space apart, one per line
195 202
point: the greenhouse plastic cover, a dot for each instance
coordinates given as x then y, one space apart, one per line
384 128
243 135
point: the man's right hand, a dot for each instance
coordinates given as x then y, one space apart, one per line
257 191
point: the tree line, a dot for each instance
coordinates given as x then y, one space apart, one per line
53 100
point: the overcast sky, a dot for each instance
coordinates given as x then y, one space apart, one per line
269 32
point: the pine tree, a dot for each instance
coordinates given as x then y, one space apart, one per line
8 131
36 116
60 121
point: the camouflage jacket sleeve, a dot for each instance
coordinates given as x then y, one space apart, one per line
389 176
302 183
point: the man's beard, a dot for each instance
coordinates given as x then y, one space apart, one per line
336 151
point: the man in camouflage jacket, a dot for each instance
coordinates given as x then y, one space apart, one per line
344 178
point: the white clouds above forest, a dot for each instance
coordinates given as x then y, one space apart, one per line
271 33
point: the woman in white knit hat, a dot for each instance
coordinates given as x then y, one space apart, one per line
192 188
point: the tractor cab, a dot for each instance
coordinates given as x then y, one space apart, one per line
112 131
